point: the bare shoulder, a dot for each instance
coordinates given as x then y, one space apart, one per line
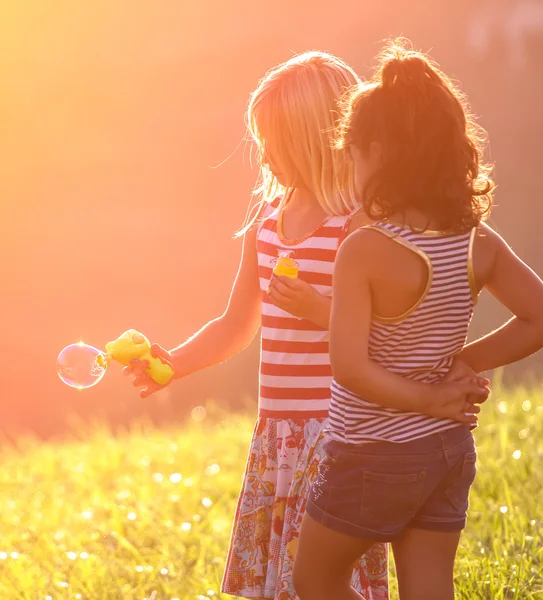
487 235
362 243
362 239
488 245
488 241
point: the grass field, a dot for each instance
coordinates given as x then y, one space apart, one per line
147 515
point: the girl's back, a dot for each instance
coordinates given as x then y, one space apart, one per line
423 299
403 299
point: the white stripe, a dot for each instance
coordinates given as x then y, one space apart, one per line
270 310
295 382
422 354
282 358
325 290
293 335
293 405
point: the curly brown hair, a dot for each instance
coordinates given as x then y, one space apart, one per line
431 146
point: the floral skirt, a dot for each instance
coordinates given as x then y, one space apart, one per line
283 462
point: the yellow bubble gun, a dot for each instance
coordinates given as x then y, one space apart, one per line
132 345
286 266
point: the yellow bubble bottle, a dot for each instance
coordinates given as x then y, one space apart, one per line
286 266
82 366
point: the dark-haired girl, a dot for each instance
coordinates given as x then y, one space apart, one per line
401 319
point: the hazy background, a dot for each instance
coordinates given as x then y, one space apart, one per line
113 115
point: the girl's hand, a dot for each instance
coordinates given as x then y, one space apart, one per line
300 299
461 371
142 379
459 400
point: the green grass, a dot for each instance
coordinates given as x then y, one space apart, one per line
148 514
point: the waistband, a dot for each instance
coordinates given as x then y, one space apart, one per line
428 444
292 414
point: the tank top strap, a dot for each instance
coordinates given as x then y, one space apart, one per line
266 211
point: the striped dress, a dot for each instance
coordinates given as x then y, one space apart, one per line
294 398
418 345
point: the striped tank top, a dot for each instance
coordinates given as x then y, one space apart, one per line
295 371
419 345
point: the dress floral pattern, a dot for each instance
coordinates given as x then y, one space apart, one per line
282 464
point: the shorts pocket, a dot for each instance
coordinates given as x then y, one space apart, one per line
325 482
344 482
391 500
458 489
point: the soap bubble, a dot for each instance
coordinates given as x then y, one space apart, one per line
79 365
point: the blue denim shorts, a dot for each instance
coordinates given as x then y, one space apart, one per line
374 491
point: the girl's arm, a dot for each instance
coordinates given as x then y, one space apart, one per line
235 329
349 333
520 290
221 338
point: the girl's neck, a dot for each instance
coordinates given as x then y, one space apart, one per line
414 219
302 198
301 216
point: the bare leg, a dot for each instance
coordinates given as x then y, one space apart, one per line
324 562
425 564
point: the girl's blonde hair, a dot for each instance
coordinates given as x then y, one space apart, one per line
291 117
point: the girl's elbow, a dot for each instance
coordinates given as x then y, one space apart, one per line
239 329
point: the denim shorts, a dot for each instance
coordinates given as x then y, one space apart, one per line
374 491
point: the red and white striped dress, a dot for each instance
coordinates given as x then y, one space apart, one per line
295 379
295 372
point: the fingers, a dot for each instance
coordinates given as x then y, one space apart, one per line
139 370
483 381
151 388
471 408
277 297
467 418
148 386
292 284
141 380
136 367
469 414
281 287
478 394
